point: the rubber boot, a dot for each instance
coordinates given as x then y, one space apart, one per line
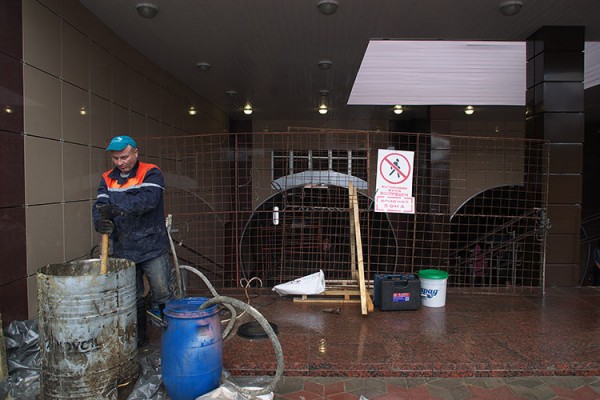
142 326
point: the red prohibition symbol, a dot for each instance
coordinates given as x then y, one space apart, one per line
394 168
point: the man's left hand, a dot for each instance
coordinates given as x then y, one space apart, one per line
109 211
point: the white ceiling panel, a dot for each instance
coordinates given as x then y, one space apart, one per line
592 64
441 73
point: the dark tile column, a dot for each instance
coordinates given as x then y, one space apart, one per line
555 99
13 259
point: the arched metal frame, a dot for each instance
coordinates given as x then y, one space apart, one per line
365 198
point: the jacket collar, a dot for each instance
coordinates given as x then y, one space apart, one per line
116 174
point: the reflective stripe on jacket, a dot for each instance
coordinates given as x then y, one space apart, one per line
140 234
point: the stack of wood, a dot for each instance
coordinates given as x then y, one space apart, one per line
356 289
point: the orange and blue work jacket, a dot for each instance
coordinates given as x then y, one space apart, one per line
140 234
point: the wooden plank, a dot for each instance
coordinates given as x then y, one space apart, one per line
337 295
331 296
347 283
326 300
353 271
366 305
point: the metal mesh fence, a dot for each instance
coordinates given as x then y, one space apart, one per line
275 206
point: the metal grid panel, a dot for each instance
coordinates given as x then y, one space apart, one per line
275 206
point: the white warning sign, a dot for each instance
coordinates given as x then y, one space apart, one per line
394 182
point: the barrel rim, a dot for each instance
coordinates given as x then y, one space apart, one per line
188 307
85 267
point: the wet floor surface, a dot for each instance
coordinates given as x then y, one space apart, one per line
477 346
294 388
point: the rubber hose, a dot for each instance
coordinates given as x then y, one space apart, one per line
175 260
231 309
268 329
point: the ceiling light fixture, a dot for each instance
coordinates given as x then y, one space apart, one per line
248 109
82 111
203 66
323 107
147 10
398 109
8 109
510 8
325 64
327 7
469 110
192 110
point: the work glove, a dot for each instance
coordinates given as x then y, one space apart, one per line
104 226
109 211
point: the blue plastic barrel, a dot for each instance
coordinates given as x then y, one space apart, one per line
191 348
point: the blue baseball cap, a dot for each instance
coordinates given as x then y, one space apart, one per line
118 143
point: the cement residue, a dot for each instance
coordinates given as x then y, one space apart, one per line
85 267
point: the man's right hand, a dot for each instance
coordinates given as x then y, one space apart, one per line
104 226
109 211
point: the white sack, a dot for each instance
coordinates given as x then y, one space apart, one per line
228 392
309 284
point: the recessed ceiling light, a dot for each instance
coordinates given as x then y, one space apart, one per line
203 66
323 109
510 8
469 110
147 10
248 109
325 64
327 7
192 110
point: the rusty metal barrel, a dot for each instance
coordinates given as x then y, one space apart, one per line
87 323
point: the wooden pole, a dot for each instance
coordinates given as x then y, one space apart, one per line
353 272
366 304
104 254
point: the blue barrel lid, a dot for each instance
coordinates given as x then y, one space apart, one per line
189 307
433 274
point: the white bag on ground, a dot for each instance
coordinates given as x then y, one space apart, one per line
228 392
309 284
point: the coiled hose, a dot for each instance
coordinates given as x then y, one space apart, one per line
231 303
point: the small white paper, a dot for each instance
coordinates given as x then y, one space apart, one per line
309 284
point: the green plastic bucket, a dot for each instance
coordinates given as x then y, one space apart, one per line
433 287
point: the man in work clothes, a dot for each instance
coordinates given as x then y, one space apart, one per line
129 206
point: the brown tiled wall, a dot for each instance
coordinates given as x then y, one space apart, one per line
62 60
13 272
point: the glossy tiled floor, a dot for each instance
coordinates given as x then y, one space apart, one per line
477 346
291 388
